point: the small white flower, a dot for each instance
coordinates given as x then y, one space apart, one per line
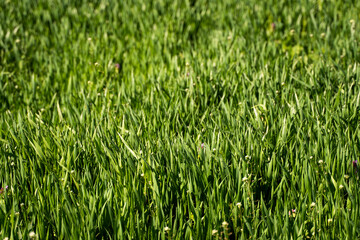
341 186
313 204
330 220
321 161
238 204
166 229
244 179
224 223
214 232
32 235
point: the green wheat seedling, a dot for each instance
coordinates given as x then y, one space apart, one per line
179 119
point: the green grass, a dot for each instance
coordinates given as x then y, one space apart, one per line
221 117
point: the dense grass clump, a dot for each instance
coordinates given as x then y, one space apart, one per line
179 119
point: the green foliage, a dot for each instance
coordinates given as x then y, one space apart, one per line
179 119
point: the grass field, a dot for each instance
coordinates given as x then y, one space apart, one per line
179 119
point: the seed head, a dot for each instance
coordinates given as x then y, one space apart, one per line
273 26
355 163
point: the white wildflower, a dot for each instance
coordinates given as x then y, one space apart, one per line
32 235
224 223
